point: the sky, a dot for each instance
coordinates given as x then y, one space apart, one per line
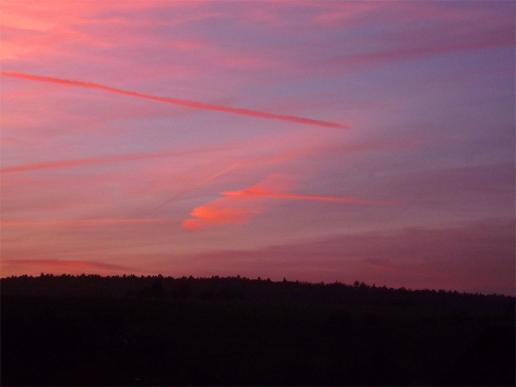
317 141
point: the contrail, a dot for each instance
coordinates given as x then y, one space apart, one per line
175 101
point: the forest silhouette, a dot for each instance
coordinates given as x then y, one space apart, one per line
154 330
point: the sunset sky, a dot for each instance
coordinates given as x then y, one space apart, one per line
312 140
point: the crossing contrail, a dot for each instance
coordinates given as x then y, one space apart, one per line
107 159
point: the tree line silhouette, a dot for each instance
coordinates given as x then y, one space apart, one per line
154 330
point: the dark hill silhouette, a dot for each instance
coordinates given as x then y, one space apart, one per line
92 330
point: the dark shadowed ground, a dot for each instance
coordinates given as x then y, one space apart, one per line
92 330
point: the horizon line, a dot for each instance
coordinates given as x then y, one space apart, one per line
263 279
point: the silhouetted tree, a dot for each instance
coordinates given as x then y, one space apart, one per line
154 330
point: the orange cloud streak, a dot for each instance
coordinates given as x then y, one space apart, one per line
261 193
228 209
215 213
174 101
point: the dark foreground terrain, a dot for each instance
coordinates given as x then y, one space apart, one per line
92 330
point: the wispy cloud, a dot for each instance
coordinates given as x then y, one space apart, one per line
175 101
230 208
418 50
